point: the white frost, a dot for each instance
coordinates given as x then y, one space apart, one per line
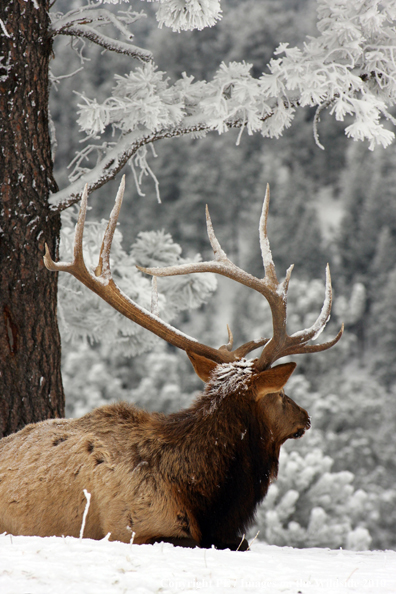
228 378
186 15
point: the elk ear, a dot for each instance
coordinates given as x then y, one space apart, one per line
273 380
203 366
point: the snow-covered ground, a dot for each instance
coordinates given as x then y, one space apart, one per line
33 565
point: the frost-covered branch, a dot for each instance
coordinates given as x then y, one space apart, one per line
179 15
56 79
118 156
145 108
84 23
316 121
186 15
108 43
349 69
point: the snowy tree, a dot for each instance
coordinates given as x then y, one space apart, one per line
310 506
348 69
160 381
353 421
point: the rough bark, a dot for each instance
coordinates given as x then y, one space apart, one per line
30 379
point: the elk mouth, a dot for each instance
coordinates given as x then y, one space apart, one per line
299 433
301 430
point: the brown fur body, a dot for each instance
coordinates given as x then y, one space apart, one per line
194 476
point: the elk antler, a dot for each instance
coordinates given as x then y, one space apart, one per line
100 281
275 292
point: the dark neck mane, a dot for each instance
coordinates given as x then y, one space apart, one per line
228 457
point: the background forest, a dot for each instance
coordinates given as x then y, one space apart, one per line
336 487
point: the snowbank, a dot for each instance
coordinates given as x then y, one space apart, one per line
33 565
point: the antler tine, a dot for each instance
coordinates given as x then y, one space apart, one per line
269 266
319 325
221 264
285 284
78 236
250 346
228 346
314 348
296 344
103 267
78 258
218 251
299 340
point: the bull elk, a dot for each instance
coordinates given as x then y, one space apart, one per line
192 478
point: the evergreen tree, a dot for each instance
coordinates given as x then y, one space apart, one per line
30 375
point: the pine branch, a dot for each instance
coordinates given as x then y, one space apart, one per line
76 23
108 43
119 155
114 161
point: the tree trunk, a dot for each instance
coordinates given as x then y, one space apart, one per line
30 378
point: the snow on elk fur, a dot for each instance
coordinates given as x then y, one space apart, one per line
194 477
